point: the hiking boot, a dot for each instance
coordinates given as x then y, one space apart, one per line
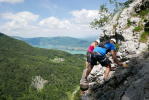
85 81
84 86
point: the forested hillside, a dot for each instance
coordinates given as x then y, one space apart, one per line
29 73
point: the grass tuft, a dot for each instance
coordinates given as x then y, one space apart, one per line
138 29
144 37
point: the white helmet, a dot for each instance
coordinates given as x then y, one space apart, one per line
97 41
113 40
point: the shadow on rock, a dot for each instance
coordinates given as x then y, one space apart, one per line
130 83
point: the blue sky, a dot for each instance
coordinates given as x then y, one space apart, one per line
48 18
58 8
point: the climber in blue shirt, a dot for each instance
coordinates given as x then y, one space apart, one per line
99 55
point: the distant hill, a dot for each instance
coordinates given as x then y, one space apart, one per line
21 63
56 41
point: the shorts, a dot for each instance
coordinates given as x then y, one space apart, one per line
103 60
88 57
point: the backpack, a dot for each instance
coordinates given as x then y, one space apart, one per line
102 44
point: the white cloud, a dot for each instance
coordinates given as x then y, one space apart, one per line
53 22
19 19
21 16
84 16
12 1
27 24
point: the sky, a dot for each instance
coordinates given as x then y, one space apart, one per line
49 18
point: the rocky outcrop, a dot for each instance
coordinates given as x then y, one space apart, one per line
123 25
126 83
130 83
142 6
38 82
58 60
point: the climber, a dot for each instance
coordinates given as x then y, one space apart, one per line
99 55
90 51
83 85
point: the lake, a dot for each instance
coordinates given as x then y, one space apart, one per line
67 50
76 51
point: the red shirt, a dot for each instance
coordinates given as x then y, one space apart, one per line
90 48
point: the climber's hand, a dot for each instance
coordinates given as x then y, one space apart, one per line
125 65
120 63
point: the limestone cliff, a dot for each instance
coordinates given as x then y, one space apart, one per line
130 27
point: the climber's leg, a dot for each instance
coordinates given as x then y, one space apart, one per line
89 69
107 71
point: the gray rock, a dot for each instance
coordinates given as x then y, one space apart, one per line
130 45
126 84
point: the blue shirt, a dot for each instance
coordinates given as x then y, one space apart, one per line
103 51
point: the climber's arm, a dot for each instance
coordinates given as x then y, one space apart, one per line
113 52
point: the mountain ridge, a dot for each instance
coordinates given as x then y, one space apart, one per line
68 41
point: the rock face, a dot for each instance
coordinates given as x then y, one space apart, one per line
38 82
131 83
126 84
123 25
